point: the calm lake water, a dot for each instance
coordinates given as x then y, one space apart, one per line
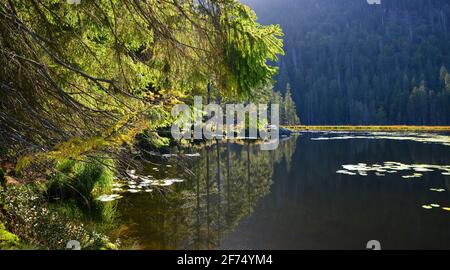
316 191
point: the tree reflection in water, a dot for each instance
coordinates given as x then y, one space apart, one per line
223 186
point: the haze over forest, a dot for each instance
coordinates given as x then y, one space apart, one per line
349 62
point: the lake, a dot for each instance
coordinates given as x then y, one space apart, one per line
318 190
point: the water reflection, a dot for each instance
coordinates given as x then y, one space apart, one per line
312 207
236 196
224 183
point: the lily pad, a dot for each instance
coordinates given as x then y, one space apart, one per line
109 198
416 175
437 189
345 172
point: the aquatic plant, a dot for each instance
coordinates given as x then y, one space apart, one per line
397 136
392 167
83 179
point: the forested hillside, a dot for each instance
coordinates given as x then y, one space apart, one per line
349 62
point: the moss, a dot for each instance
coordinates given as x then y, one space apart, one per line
82 180
109 246
95 177
8 240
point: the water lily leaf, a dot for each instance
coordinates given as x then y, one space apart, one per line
423 170
437 189
416 175
193 155
345 172
109 198
427 206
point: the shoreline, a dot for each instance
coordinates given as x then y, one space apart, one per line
371 128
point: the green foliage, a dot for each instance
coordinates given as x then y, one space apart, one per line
290 110
35 223
248 45
7 239
83 180
92 74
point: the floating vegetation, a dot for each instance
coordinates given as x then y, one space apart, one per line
109 198
437 189
180 155
399 136
422 170
430 206
392 167
193 155
166 182
446 208
143 183
416 175
132 174
345 172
